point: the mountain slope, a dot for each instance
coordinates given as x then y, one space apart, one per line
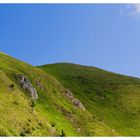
17 117
113 99
35 103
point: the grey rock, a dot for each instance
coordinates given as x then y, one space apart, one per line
73 100
26 85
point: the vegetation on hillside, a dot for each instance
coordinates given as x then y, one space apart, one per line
113 99
48 114
66 100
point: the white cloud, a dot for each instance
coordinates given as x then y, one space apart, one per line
133 9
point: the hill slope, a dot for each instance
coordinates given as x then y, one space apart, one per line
35 103
113 99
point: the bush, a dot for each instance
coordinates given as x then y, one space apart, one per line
62 133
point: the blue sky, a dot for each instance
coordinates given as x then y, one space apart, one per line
105 36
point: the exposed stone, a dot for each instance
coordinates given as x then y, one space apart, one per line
26 85
78 129
73 100
71 120
53 131
66 112
113 130
38 84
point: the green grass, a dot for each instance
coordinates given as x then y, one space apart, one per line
113 99
53 114
16 116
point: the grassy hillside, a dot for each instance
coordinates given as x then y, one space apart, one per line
52 114
113 99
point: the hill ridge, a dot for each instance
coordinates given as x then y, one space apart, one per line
102 91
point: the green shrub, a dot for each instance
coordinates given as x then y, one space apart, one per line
62 133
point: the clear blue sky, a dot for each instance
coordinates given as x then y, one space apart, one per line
105 36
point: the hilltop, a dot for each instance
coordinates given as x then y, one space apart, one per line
114 99
66 100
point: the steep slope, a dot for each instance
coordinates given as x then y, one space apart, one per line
113 99
34 103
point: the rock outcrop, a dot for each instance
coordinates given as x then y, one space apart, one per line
73 100
26 85
39 85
